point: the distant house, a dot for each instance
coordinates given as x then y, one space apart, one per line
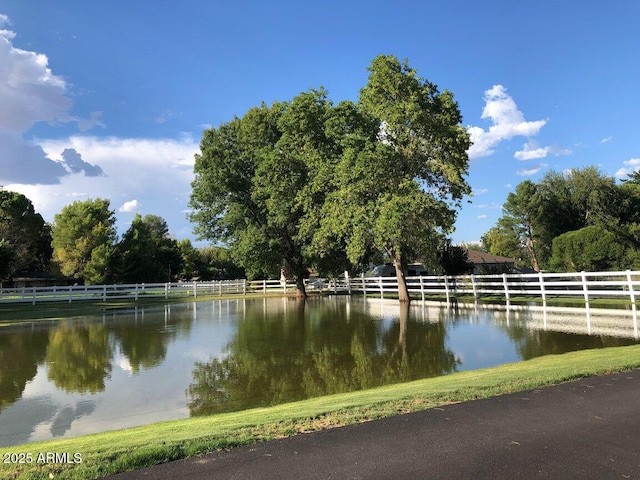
486 263
33 279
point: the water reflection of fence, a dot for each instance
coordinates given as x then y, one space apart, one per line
610 322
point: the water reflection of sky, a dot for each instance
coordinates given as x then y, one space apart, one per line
45 412
140 393
480 346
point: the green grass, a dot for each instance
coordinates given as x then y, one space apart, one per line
118 451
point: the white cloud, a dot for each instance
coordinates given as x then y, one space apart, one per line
30 93
480 191
634 163
605 140
493 206
157 173
94 120
527 172
531 151
482 217
508 122
130 206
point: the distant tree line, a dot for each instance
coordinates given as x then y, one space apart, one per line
571 221
82 246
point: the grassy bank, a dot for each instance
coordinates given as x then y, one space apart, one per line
117 451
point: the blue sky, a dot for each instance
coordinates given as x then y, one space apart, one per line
109 99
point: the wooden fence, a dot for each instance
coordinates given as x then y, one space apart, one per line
586 285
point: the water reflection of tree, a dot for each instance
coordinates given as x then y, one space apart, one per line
321 349
20 354
531 343
79 357
145 340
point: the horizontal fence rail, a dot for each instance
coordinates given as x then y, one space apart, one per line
142 290
585 285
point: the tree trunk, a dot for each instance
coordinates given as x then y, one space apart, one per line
403 291
301 291
404 320
532 249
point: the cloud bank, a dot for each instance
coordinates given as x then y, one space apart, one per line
30 93
136 174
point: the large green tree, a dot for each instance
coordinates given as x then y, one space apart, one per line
258 185
147 253
591 249
538 212
83 236
26 235
399 192
310 184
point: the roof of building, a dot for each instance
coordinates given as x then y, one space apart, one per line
476 256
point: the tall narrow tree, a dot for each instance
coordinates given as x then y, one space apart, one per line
83 237
399 193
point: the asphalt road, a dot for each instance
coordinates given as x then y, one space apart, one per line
588 429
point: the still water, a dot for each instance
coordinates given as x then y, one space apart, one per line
142 365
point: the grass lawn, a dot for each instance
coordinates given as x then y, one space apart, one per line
118 451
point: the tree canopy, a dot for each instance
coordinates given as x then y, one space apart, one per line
83 236
307 183
579 219
147 253
25 238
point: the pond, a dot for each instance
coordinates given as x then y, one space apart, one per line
146 364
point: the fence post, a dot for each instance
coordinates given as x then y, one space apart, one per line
244 286
585 291
136 293
364 285
166 290
104 293
542 289
506 286
381 288
585 287
264 287
446 288
70 290
473 284
346 279
633 303
34 295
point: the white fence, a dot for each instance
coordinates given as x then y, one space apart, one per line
134 291
586 285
